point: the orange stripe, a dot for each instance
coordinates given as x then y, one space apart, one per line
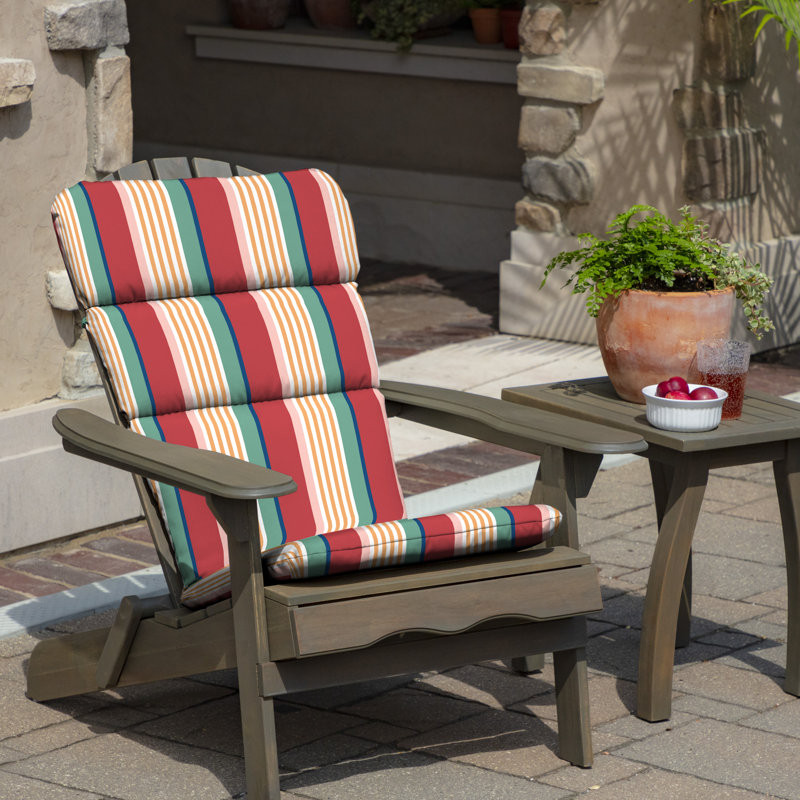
72 239
114 360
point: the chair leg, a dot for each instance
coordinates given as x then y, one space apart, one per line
528 664
260 742
572 705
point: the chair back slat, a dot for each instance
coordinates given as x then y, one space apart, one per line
166 169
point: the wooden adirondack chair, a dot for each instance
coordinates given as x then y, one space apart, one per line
224 316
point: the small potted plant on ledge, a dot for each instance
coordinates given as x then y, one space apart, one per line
657 288
485 18
403 21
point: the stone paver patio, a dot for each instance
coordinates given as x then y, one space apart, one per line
479 731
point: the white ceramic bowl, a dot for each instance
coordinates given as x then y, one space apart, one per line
683 415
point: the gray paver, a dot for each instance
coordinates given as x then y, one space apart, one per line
400 776
728 684
18 787
139 768
725 753
784 719
607 769
655 783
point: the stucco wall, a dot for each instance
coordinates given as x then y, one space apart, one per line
43 145
647 49
380 120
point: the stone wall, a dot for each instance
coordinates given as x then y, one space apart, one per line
626 103
65 115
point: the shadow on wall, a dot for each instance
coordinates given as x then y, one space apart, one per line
633 132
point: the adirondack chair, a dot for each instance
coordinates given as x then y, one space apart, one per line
237 359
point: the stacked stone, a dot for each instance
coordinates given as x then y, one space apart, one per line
99 28
722 153
555 89
554 175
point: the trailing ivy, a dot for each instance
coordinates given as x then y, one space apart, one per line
657 254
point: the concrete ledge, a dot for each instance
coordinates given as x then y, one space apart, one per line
47 494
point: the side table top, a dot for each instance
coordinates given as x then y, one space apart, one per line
765 418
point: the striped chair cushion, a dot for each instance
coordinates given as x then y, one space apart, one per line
244 347
128 241
335 446
406 541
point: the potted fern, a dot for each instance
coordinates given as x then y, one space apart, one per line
657 287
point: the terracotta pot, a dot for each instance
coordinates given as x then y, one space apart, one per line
331 14
509 24
485 24
646 337
259 14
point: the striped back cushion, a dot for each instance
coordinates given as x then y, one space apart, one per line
225 314
126 241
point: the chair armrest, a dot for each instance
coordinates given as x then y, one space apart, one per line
500 422
202 471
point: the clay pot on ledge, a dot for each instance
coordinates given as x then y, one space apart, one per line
259 14
646 337
509 26
485 25
334 15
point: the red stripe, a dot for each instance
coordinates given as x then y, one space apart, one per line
346 549
440 537
315 226
156 356
200 522
218 233
115 235
378 460
252 337
284 456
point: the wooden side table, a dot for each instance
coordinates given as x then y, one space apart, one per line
768 430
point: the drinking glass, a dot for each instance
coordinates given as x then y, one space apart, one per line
724 363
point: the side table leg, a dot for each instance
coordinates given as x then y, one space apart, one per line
787 483
661 476
665 586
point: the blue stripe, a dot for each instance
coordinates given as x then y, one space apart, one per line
99 243
299 225
179 503
236 346
423 539
199 235
357 430
153 411
263 442
512 523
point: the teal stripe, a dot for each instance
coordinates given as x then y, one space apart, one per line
88 234
505 527
188 235
316 556
359 480
290 228
130 359
176 524
320 321
415 541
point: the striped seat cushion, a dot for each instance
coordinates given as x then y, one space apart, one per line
405 541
